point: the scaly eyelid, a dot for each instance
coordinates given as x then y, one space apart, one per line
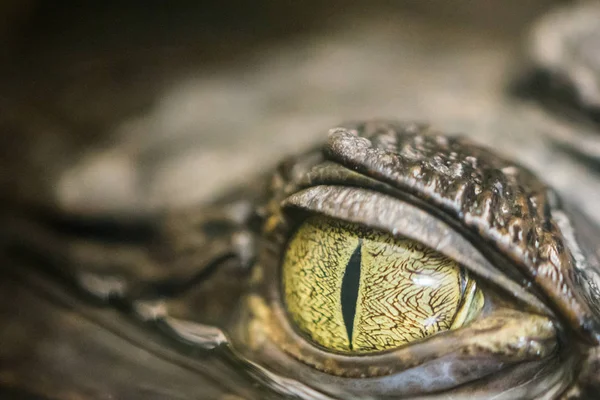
383 212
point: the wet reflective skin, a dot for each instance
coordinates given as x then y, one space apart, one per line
395 260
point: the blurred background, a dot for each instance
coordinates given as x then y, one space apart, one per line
124 108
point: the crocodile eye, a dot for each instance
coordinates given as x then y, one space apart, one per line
403 263
352 289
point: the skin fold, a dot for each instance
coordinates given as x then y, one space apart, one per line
227 300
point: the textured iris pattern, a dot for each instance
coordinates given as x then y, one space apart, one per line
313 269
353 289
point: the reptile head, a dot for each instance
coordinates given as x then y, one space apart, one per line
401 262
395 261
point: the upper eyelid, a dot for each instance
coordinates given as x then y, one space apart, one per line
502 203
406 220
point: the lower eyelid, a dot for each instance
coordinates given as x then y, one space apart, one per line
503 336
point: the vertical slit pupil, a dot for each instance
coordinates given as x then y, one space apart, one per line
350 283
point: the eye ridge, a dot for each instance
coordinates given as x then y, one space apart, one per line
349 290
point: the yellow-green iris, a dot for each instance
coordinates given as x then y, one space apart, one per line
356 290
